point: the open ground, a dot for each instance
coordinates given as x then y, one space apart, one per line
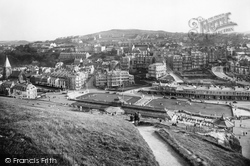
110 97
203 108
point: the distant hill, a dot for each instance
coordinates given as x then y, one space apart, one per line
247 32
126 33
130 31
14 42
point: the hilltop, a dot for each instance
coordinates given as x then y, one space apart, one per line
14 42
126 33
76 137
130 31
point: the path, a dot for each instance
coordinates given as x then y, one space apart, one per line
176 78
164 154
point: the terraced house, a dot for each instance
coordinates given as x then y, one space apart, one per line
62 79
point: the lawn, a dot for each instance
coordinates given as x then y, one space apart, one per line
77 138
203 108
109 97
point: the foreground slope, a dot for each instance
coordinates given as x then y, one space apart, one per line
77 138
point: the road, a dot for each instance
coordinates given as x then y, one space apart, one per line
163 153
177 79
218 71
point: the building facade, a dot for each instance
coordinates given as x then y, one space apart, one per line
141 62
202 92
199 59
28 91
156 70
114 78
73 55
62 79
125 63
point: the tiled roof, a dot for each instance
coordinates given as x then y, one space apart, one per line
6 84
21 87
15 74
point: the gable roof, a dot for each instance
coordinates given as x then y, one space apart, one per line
7 84
21 87
15 74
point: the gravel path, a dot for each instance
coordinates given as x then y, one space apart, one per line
164 154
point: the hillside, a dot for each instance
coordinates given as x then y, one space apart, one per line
77 138
201 149
116 33
14 42
130 31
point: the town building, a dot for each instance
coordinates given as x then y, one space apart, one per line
114 78
84 48
202 92
24 90
73 55
17 76
88 68
199 59
18 90
186 61
237 68
176 63
5 88
140 62
125 63
156 70
62 79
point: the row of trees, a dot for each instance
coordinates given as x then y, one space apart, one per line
24 54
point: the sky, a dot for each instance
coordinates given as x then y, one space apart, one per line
34 20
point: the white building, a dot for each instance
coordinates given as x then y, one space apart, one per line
114 78
28 91
89 69
156 70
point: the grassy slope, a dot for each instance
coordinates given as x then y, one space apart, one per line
84 138
212 154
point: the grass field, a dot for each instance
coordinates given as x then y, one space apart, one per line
203 108
82 138
109 97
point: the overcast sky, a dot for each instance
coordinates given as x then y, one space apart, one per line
48 19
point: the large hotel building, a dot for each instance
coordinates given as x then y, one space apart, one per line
114 78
